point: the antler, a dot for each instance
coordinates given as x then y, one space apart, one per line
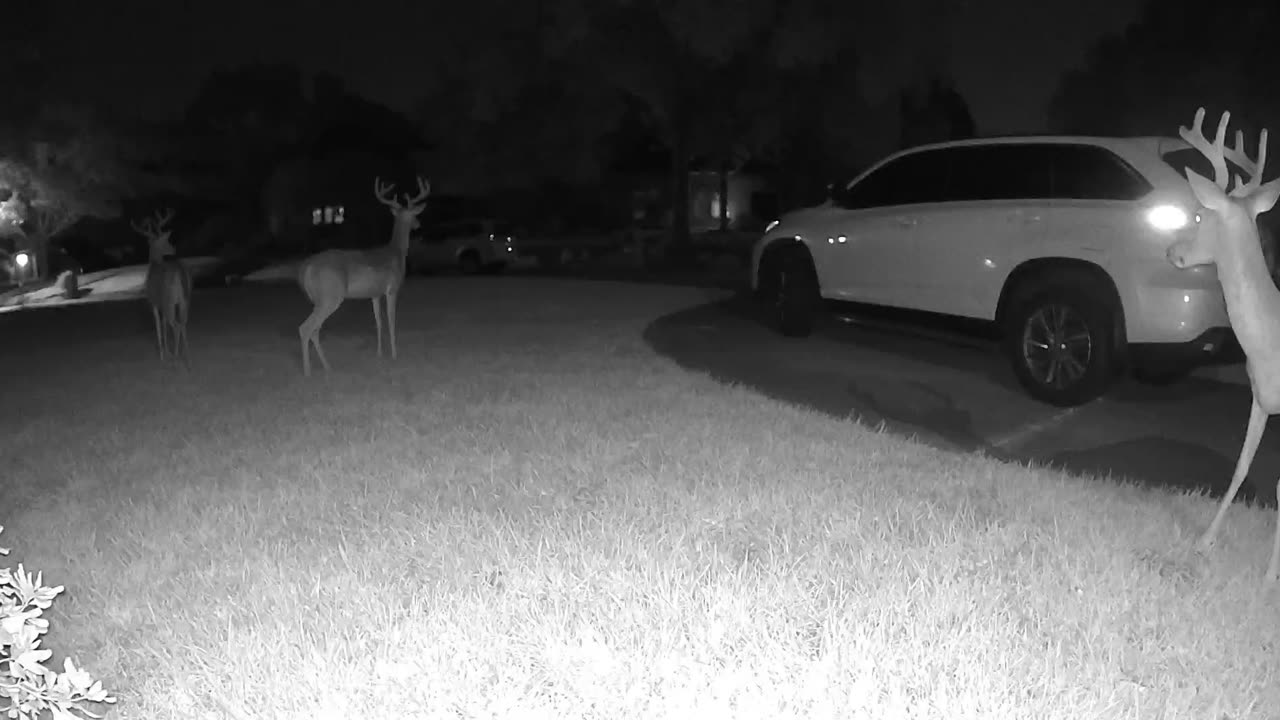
424 189
153 226
1238 156
1218 154
1215 152
381 190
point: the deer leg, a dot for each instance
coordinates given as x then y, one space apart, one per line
1252 436
155 315
180 337
391 322
185 307
186 347
304 341
1273 569
315 340
171 331
180 305
377 322
309 331
172 322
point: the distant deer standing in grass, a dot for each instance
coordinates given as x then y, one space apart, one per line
1227 237
330 277
168 286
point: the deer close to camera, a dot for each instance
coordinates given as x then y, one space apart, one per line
168 286
331 276
1227 236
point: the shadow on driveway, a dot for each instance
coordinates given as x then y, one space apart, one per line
960 395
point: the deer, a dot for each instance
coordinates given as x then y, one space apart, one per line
1227 237
331 276
168 286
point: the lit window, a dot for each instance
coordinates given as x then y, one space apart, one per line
715 207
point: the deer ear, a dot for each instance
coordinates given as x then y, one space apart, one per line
1207 191
1264 198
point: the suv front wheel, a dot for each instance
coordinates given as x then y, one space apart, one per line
469 262
795 297
1060 342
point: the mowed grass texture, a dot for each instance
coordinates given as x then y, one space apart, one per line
530 514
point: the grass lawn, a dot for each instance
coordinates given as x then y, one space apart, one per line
531 515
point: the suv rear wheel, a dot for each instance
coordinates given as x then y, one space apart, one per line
1060 341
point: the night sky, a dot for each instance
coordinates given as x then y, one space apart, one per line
110 48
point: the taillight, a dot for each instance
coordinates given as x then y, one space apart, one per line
1167 217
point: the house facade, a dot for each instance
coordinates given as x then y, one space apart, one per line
745 195
323 196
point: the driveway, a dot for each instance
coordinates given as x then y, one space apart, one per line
119 283
961 395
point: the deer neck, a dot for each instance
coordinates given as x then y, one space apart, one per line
400 235
1247 287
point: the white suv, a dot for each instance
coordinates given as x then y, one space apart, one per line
1057 242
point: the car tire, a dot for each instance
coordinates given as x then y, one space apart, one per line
1060 340
469 263
796 299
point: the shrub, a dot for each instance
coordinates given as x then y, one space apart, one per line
27 687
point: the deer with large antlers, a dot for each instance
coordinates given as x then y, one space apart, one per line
1227 237
331 276
168 286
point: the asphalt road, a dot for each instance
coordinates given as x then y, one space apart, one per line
961 395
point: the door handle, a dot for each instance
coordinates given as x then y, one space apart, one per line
906 222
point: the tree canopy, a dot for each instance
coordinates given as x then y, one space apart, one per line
241 123
1150 78
61 160
65 163
535 91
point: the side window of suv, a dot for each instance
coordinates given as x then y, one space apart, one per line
1088 172
1012 171
919 177
1185 158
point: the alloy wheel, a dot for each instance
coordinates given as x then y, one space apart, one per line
1057 346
